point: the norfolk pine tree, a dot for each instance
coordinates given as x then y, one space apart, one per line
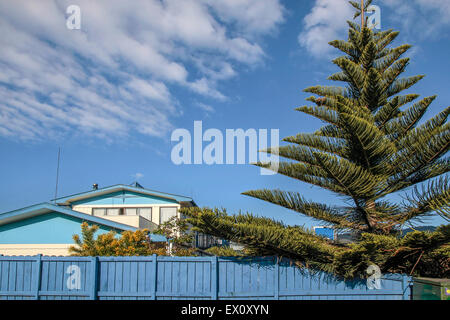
371 146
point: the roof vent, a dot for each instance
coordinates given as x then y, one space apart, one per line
95 186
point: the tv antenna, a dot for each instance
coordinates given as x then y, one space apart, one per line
57 175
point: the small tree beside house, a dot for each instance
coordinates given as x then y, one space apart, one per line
128 243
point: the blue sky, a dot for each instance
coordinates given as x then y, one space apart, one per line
111 93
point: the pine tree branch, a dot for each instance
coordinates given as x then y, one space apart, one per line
294 201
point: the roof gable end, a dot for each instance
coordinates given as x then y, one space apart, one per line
104 192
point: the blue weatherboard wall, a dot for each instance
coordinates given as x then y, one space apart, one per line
117 278
52 228
124 197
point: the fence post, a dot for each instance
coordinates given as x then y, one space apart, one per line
37 283
154 275
94 278
277 280
214 278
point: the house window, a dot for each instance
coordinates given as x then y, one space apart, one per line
131 211
98 211
166 213
146 213
143 212
106 211
113 211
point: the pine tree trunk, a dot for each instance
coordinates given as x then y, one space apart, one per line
370 206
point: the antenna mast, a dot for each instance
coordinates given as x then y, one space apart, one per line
57 175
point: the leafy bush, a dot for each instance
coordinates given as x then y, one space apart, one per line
128 243
224 252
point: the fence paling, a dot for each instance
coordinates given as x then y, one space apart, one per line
178 277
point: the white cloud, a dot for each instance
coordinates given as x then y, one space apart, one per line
117 75
152 90
442 5
325 22
205 107
137 176
419 18
205 87
250 15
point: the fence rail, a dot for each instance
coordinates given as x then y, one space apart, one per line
156 277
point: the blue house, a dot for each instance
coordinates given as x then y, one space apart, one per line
47 228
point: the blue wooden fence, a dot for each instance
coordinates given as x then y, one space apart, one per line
156 277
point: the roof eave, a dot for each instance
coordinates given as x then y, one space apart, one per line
86 195
44 208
